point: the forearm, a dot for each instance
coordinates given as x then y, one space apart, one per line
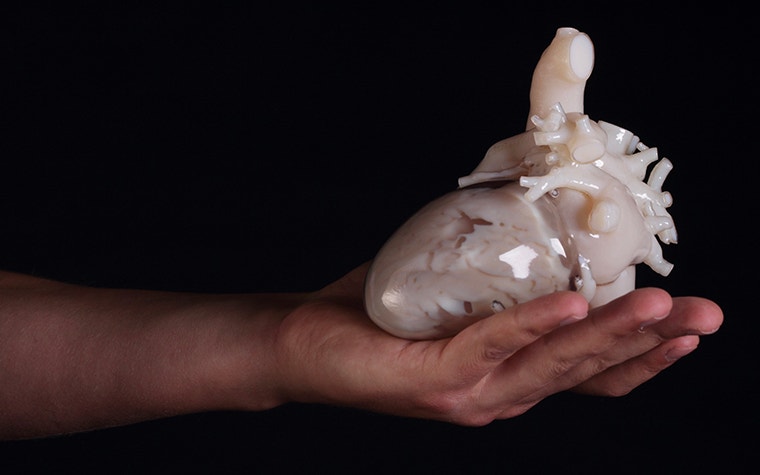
75 358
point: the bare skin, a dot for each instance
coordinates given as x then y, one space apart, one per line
76 358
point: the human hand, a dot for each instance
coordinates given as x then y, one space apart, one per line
328 351
200 352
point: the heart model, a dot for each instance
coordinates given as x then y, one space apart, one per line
565 205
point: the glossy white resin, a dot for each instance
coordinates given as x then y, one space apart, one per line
563 205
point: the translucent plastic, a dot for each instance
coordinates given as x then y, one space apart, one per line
567 204
465 255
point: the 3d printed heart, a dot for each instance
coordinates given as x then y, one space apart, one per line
563 205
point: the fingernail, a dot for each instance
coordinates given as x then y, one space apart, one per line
677 353
572 319
651 322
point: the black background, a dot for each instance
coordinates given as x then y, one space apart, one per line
225 147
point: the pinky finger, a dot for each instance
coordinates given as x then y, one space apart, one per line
623 378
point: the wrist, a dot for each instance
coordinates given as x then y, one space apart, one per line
248 378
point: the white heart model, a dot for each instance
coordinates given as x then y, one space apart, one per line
563 205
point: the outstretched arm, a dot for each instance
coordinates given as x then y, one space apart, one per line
76 358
